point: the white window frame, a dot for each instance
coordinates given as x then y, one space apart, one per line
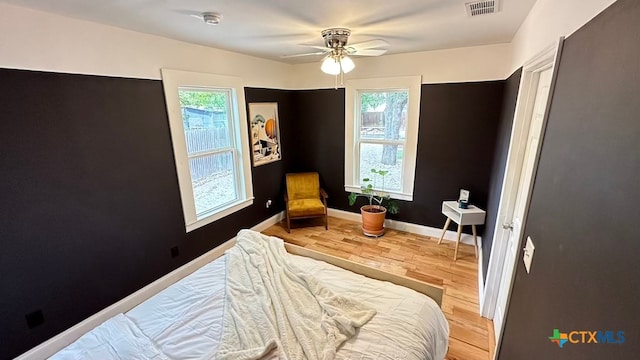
172 80
353 88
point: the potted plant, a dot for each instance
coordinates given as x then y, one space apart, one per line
373 214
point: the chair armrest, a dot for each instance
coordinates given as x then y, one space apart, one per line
323 193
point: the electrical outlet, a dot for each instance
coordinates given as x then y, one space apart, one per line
175 251
34 319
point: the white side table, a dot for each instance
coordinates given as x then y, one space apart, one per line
472 216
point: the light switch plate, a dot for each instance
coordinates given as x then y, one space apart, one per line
528 254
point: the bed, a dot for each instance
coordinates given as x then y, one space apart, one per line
190 319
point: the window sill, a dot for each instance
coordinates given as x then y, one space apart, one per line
394 194
237 206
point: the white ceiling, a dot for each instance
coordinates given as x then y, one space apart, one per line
272 28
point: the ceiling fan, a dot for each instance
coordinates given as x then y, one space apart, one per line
337 51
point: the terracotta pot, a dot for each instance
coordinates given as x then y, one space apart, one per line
373 220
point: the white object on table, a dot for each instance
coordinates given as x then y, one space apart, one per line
472 216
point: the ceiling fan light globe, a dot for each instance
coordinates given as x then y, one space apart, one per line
347 64
330 66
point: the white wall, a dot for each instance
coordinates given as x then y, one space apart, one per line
478 63
547 21
37 40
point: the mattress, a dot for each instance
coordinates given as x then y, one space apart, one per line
184 321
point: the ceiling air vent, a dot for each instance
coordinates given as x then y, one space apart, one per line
482 7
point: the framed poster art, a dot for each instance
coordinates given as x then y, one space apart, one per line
265 133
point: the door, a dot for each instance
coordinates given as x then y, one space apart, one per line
522 195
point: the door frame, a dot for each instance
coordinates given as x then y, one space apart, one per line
547 58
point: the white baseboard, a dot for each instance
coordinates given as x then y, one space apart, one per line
58 342
412 228
269 222
480 282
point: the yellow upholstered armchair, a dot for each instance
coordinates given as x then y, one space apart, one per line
304 198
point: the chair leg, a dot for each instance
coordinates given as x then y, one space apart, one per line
326 222
288 223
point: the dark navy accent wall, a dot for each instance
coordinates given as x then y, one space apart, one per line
456 141
512 84
585 207
90 199
319 137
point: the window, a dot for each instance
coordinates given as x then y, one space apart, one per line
208 129
381 132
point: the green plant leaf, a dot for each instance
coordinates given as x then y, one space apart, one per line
392 207
375 196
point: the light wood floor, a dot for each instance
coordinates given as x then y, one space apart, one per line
415 256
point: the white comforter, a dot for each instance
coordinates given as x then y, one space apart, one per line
275 310
184 321
117 338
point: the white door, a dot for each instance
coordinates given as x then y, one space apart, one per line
513 246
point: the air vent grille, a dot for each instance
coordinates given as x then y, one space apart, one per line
477 8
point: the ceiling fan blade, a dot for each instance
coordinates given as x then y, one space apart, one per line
377 43
306 54
369 52
195 14
315 46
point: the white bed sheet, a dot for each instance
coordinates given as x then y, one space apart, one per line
185 320
117 338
